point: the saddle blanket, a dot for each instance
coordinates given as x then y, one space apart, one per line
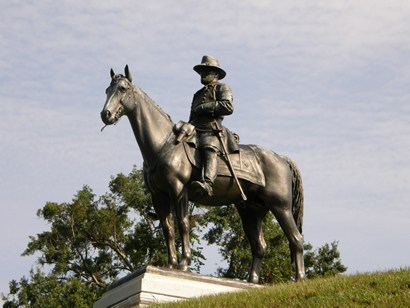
245 163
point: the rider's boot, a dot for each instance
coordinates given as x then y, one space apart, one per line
210 169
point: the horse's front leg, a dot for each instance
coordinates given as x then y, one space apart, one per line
184 227
162 206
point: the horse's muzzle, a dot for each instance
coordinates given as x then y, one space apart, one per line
106 117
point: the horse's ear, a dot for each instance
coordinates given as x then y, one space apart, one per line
112 73
127 73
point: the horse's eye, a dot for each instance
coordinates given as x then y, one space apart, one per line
122 89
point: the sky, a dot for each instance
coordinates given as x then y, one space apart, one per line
326 83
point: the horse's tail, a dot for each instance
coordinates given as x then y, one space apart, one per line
297 194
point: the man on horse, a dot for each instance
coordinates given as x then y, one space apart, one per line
209 106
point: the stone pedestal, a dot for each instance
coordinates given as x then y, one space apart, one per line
158 285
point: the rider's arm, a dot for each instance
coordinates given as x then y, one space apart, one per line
224 100
221 106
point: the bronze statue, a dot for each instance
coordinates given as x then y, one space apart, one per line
172 163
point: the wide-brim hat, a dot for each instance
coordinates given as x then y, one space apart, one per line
209 63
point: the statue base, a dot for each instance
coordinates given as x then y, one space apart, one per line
159 285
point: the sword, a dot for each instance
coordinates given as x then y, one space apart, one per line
218 132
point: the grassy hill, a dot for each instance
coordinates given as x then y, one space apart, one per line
381 289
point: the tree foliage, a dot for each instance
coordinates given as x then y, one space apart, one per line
92 240
324 261
44 291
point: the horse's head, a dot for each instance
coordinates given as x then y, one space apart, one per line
119 97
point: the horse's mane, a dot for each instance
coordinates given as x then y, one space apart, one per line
142 94
149 100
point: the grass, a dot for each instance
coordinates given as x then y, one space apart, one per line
381 289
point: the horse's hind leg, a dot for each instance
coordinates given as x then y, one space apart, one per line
286 221
162 207
252 225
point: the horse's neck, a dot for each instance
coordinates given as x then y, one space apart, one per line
151 126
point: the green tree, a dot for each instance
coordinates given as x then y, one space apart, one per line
225 230
44 291
92 240
324 261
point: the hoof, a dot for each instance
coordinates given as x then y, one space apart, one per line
301 277
253 279
183 267
172 265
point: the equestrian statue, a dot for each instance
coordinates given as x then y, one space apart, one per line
202 161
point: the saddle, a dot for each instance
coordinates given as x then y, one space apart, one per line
244 159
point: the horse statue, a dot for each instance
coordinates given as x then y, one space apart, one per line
168 172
